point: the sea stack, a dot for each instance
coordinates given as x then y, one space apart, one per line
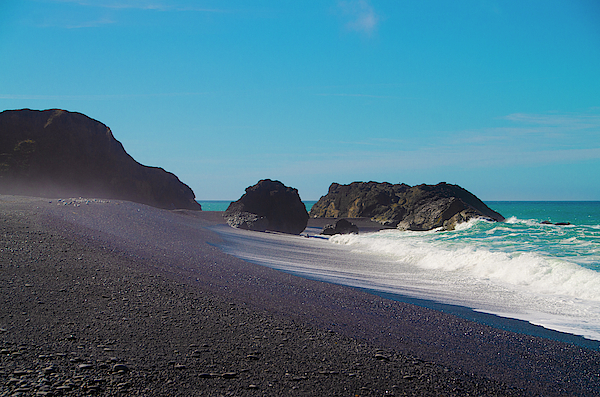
268 205
420 208
56 153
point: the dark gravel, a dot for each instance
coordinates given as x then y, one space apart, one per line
115 298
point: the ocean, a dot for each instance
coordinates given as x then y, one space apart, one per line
221 205
545 274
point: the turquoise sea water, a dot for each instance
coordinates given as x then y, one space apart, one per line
221 205
545 274
213 205
524 232
575 212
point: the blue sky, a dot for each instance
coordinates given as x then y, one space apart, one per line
500 97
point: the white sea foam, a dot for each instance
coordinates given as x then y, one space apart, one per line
519 269
522 270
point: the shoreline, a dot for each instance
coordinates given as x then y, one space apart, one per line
494 320
513 325
151 289
504 322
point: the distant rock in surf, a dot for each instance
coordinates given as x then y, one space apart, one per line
422 207
342 226
55 153
557 224
268 205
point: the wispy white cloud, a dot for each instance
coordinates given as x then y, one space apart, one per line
94 97
538 130
534 140
374 164
88 24
142 5
360 95
361 17
563 120
431 158
79 14
114 4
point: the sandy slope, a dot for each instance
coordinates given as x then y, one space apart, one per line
122 299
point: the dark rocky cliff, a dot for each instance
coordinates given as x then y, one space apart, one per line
361 199
422 207
54 153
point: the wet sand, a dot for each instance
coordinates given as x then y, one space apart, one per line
116 298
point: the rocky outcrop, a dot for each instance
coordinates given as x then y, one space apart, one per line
556 224
378 201
361 199
343 226
422 207
56 153
442 205
268 205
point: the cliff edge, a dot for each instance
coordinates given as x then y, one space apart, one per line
54 153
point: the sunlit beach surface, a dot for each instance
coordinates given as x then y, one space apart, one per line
115 297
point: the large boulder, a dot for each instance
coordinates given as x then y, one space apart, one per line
55 153
268 205
422 207
342 226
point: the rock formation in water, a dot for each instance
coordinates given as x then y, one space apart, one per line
55 153
361 199
268 205
342 226
422 207
556 224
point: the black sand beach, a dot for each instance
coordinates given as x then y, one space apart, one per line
115 298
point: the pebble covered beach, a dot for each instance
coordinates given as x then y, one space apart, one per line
103 297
